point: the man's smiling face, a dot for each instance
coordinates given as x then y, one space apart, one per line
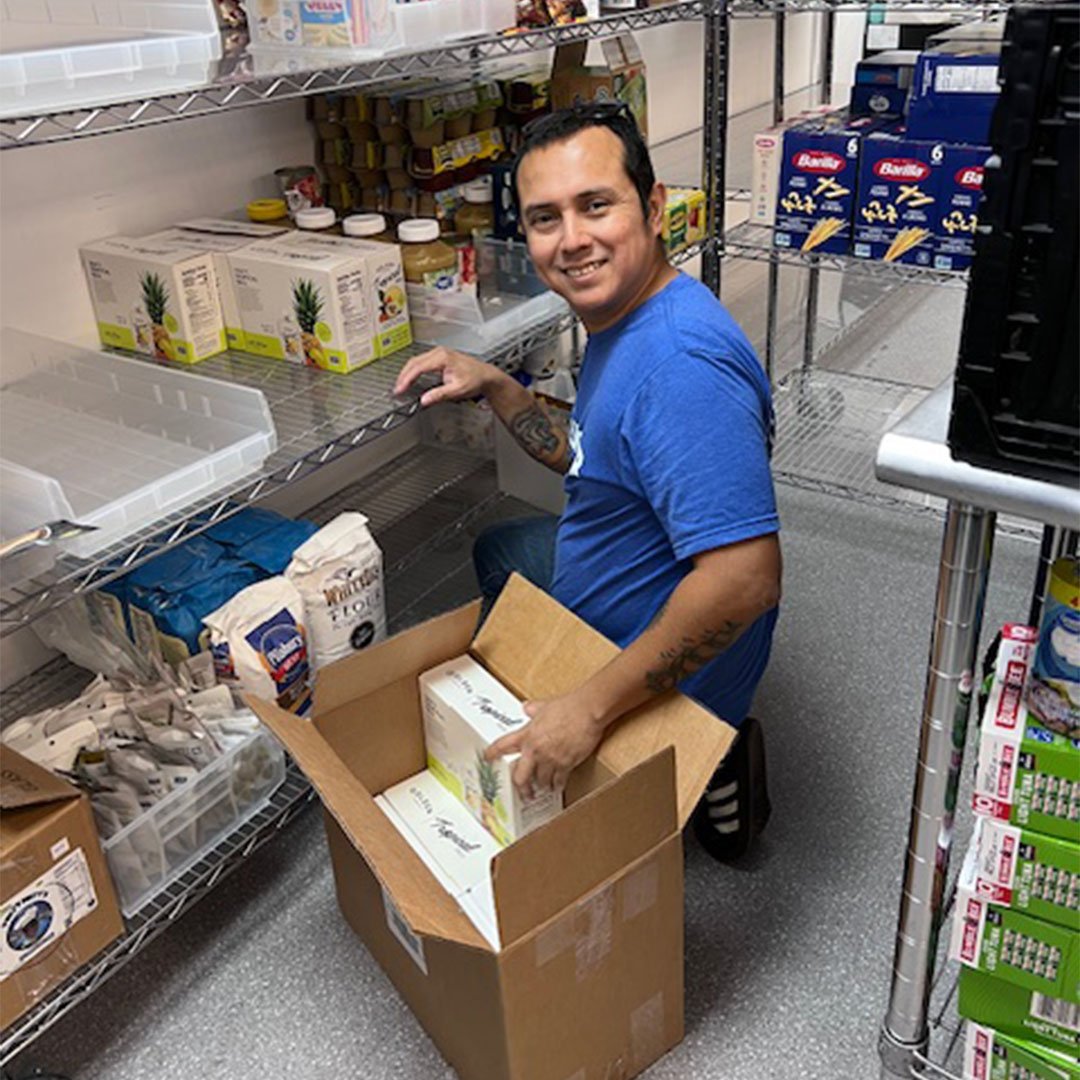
587 235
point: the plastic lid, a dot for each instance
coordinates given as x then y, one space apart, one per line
316 217
418 231
267 210
478 191
364 225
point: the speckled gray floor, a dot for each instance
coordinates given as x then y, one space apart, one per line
787 958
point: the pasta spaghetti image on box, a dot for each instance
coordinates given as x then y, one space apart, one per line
818 177
897 204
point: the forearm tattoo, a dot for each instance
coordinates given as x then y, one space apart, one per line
537 432
693 654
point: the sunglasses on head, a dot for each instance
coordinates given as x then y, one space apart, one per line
601 111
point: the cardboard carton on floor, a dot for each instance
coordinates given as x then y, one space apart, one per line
57 905
589 981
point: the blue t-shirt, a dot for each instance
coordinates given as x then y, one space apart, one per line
671 436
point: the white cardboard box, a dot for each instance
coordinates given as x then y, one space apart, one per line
465 710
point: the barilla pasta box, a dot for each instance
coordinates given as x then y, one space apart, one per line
1028 871
1027 952
993 1055
1015 1011
819 175
898 196
956 213
1026 774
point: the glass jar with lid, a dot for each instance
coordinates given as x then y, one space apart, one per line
477 213
320 219
368 227
425 258
270 212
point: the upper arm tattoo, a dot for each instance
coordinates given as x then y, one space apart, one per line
676 664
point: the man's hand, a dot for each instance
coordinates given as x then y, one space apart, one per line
463 376
560 735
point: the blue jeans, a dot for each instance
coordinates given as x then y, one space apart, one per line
526 545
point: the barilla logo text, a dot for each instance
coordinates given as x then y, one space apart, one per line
901 169
818 161
972 919
280 644
970 177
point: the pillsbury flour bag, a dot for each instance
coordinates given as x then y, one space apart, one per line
259 643
339 574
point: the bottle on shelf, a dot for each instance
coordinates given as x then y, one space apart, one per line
368 227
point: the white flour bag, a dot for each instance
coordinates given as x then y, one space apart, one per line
259 643
339 574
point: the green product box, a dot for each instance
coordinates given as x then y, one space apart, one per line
1014 1011
992 1055
1026 774
1028 952
1028 871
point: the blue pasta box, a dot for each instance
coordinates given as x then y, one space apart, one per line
882 83
954 91
897 201
818 178
957 219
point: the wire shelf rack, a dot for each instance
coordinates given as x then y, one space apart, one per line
421 508
749 241
319 417
244 79
768 8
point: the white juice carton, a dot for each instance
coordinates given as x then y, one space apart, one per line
449 842
465 710
307 304
155 297
385 279
221 238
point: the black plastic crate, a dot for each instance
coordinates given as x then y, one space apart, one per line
1016 405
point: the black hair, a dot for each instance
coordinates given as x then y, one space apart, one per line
565 123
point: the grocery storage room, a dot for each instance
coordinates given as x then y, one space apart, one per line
251 818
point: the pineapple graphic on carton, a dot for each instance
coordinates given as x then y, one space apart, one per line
488 779
307 307
155 299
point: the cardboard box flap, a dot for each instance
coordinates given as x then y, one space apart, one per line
423 647
23 783
570 56
537 877
428 909
539 649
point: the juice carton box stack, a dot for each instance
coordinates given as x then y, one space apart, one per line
155 297
465 710
993 1055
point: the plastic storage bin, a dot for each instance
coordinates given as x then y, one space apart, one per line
113 442
70 54
374 26
504 266
460 320
148 855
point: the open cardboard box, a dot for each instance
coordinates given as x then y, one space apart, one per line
589 982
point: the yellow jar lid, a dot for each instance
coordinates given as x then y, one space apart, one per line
267 209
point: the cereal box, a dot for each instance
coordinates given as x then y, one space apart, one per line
956 214
898 195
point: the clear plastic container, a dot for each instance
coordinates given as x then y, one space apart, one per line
368 227
427 261
377 26
148 855
70 54
114 442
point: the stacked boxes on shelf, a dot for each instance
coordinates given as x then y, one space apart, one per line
898 176
1017 924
